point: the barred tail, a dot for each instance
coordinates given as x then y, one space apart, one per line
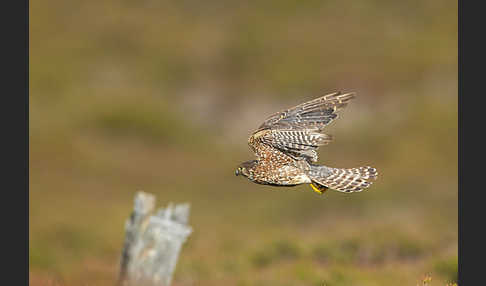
343 180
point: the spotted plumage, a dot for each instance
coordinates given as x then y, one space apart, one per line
286 149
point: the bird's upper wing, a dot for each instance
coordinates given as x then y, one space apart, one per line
298 131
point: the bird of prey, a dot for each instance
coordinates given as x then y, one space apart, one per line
286 149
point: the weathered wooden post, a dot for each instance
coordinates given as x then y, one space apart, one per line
152 242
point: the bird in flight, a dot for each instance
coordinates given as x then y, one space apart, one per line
286 149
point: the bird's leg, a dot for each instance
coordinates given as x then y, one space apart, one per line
317 189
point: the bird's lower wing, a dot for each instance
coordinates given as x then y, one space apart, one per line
297 143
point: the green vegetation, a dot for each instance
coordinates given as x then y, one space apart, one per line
280 250
447 268
161 96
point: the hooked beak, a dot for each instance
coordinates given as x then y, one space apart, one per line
237 172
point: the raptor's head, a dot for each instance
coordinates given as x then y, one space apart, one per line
245 167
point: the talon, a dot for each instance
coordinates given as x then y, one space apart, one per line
316 189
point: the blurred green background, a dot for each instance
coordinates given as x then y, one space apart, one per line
161 96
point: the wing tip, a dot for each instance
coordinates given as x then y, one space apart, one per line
341 96
347 95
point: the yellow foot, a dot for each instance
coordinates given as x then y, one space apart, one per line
317 190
